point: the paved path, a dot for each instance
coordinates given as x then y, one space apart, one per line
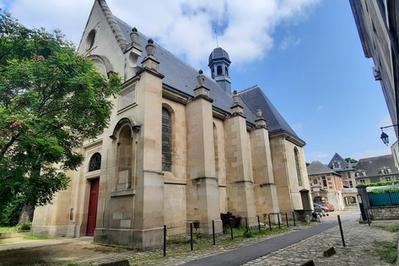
252 252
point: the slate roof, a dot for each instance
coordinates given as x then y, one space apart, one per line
317 167
255 98
182 77
372 165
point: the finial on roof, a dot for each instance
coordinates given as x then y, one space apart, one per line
259 113
134 36
260 120
150 48
200 78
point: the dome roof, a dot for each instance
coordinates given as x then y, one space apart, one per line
219 53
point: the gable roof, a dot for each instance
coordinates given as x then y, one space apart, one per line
372 165
338 158
317 167
255 98
182 77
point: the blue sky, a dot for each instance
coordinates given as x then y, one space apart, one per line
305 54
323 85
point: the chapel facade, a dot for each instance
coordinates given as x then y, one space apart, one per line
180 147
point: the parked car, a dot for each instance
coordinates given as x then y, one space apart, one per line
329 206
320 209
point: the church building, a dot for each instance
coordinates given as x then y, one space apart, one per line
180 147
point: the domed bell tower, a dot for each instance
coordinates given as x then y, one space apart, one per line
219 62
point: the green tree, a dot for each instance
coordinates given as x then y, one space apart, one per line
51 98
350 160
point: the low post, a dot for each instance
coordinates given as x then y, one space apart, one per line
246 223
191 236
213 232
340 229
231 228
293 218
368 217
278 220
270 222
286 219
164 240
258 223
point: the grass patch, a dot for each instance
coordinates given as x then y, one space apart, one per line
388 227
8 229
30 236
386 251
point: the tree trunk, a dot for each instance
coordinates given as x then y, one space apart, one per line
26 214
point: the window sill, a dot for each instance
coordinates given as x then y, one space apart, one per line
123 193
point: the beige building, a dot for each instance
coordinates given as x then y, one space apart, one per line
326 185
180 147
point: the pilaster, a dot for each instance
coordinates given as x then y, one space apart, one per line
240 191
202 186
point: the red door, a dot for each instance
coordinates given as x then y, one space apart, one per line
92 212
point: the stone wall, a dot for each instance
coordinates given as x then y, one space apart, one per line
385 213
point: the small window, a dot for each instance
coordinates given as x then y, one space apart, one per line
95 162
350 184
219 70
315 181
226 71
324 180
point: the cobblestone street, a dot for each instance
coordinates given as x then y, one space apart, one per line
358 251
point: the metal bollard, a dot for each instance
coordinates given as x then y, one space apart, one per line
231 228
293 218
164 240
213 232
340 229
246 224
270 222
278 219
191 236
286 219
258 223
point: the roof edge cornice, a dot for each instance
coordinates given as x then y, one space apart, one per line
113 24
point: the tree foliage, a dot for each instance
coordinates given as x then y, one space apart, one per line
350 160
51 98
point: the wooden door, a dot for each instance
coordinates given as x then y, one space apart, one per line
92 210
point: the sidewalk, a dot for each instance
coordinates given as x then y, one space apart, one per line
248 253
359 248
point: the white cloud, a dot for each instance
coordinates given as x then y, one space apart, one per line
184 27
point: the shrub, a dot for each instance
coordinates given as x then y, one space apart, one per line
24 226
247 234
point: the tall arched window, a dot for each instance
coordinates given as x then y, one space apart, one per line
298 166
166 140
216 149
95 162
125 158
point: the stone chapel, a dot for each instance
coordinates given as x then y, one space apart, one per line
180 147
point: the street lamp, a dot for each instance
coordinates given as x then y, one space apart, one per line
384 136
